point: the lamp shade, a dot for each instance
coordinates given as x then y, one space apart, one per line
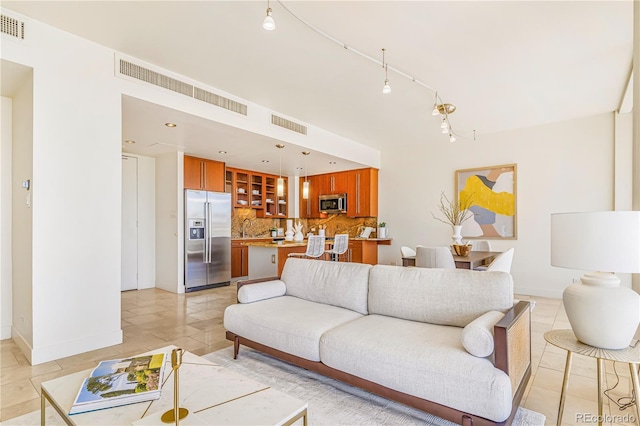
596 241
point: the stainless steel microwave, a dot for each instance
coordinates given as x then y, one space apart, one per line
335 203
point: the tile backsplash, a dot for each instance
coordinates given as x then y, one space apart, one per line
334 224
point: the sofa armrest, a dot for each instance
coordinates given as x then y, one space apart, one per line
260 290
259 280
512 340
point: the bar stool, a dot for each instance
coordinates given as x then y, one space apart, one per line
340 246
315 247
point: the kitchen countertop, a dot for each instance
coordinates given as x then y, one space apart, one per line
252 242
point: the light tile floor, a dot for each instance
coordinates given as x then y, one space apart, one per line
153 318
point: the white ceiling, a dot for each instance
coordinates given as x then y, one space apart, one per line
504 64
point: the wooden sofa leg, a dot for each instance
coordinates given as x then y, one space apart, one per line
236 346
467 421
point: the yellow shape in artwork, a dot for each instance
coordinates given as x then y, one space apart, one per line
482 196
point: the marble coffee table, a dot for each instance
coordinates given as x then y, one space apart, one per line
212 394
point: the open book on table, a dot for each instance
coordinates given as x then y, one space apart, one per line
120 382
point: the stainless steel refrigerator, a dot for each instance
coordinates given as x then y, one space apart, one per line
207 245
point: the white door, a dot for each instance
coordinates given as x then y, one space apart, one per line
129 223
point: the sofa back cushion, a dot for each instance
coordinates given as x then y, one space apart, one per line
339 284
438 296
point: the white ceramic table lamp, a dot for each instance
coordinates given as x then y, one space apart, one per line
601 312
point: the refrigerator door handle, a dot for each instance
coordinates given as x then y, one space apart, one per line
206 233
209 231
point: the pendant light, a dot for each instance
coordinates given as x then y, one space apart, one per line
386 89
269 24
305 184
280 184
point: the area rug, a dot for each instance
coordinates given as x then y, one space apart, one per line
331 402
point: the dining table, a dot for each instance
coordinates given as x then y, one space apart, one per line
470 261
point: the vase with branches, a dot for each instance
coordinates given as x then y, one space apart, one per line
454 213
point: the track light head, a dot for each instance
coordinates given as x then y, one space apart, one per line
386 89
269 24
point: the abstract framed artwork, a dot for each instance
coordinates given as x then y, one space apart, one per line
492 191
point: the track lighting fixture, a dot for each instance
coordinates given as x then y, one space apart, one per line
268 24
280 184
439 107
386 89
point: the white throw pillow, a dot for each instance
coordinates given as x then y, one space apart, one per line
250 293
477 336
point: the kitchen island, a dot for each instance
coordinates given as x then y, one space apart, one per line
266 258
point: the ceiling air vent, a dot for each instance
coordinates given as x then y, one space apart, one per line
12 27
221 101
155 78
288 124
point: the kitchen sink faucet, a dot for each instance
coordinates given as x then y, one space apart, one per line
244 222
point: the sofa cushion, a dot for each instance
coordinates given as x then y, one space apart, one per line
250 293
438 296
339 284
477 336
420 359
286 323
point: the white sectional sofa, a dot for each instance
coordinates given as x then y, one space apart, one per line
425 337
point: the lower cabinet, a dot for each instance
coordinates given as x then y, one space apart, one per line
363 251
239 259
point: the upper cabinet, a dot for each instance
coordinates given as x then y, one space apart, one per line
361 187
334 183
203 174
257 191
362 199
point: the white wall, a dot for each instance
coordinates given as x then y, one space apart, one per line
146 183
561 167
5 219
169 220
71 274
22 217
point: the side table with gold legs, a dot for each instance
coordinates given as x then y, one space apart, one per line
565 339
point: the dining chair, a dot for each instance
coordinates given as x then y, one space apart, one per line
407 251
481 245
315 248
340 246
502 262
434 257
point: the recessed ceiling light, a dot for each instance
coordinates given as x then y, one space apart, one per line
170 124
265 161
129 141
298 168
222 152
332 162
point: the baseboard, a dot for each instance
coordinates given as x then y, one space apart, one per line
64 349
22 344
533 291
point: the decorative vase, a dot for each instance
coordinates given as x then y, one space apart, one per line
299 236
457 236
382 232
288 236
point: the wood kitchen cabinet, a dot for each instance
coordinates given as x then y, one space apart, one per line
362 199
203 174
334 183
239 259
257 191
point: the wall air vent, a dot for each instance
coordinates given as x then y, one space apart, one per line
221 101
155 78
12 27
288 124
132 70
